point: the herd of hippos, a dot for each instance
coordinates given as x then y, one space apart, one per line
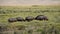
28 18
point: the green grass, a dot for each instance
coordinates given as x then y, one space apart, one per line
52 12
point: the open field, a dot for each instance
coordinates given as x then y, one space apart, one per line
35 26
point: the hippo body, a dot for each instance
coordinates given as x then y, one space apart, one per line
41 17
20 19
29 18
12 20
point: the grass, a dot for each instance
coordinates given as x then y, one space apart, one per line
52 12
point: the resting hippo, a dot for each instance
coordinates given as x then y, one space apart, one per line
29 18
20 19
12 20
41 17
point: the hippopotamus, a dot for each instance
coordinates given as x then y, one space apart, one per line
12 20
20 19
41 17
29 18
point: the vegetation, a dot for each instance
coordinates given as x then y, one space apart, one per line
32 27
